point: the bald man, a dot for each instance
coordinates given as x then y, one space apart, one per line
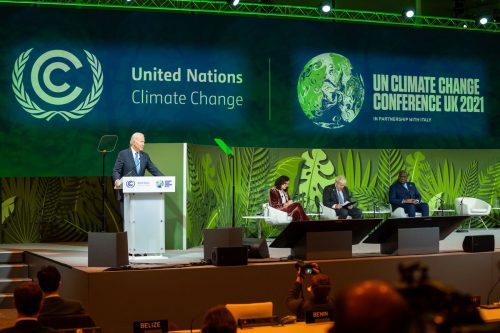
371 306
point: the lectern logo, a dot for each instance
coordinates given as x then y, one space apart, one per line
130 184
49 75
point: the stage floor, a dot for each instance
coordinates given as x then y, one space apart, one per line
76 254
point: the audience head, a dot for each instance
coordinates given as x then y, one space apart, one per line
371 306
280 181
28 299
49 279
320 286
219 320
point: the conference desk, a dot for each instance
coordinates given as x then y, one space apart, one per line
299 327
490 315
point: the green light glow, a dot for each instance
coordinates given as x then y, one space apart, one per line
273 11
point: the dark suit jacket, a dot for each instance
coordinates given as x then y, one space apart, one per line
330 196
59 306
397 192
28 326
125 165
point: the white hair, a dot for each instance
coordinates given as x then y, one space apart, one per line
341 180
135 135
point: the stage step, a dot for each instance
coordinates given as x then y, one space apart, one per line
13 272
6 301
8 257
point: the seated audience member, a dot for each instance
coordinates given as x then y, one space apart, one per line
406 195
218 320
317 297
28 299
279 199
337 196
371 306
54 305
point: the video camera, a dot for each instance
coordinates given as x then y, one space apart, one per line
304 268
435 307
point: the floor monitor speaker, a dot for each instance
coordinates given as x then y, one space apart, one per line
230 256
479 243
257 247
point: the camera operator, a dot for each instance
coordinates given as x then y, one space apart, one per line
317 298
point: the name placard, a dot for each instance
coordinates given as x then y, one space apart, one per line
319 316
151 326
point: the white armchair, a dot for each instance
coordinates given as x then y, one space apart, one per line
400 213
327 213
475 208
275 216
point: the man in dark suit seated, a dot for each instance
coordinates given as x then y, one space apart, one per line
55 306
406 195
28 299
337 196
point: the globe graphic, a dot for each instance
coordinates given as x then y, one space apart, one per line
329 93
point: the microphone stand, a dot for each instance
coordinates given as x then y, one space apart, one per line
103 190
491 291
107 144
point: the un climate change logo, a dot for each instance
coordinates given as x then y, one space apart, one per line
329 93
46 67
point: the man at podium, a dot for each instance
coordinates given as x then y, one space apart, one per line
133 162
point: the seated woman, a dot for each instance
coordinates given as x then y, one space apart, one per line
278 198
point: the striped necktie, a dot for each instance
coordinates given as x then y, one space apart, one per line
137 163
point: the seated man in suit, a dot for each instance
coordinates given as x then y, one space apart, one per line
337 196
28 299
405 194
49 280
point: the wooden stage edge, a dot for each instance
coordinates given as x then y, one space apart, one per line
182 294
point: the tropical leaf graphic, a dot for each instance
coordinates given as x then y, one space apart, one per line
412 165
222 216
251 179
357 180
288 166
201 201
443 180
8 207
390 162
317 172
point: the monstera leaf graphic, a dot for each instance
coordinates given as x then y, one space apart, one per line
412 165
317 172
286 167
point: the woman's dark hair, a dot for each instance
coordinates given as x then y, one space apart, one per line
280 181
219 320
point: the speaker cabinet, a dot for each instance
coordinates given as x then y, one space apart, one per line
108 249
257 248
224 237
479 243
230 256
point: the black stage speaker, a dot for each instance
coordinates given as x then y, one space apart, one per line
480 243
223 237
230 256
257 247
108 249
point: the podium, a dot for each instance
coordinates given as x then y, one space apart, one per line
144 212
325 239
418 235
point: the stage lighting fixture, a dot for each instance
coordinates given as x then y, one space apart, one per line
483 20
409 13
233 3
326 7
